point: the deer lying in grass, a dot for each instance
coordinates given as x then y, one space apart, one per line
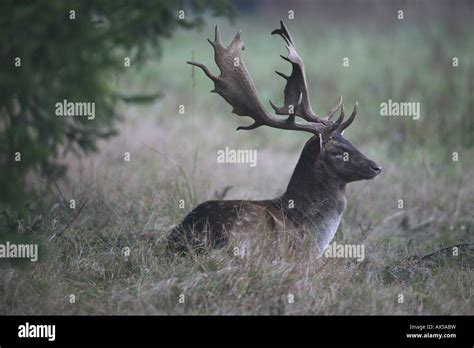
314 199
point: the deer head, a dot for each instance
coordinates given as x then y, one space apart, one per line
337 160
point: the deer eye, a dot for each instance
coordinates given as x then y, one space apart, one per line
336 155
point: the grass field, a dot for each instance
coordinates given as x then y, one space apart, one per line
130 206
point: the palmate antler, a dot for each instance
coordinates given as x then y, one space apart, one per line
296 90
236 86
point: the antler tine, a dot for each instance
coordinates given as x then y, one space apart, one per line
204 68
217 38
284 33
217 34
335 125
331 112
350 120
286 77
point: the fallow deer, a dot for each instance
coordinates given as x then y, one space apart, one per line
314 199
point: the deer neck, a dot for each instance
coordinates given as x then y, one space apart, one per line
313 197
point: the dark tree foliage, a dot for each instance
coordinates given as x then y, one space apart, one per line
73 59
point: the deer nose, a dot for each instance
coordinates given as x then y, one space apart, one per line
376 168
